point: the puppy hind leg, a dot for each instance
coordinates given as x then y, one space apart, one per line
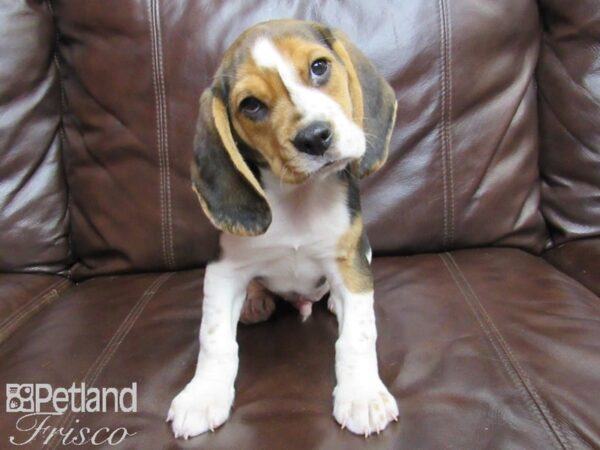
259 304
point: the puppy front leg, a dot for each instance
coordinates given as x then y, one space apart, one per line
205 402
361 401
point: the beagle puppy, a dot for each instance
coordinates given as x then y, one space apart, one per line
296 115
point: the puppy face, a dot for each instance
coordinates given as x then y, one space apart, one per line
291 102
294 97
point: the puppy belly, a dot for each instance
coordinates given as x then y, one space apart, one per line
292 272
301 285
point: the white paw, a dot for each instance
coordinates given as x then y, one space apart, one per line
200 407
364 408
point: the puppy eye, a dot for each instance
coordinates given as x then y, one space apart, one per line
253 108
319 71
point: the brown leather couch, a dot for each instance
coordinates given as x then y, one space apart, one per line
485 222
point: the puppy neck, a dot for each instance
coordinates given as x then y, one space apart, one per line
278 190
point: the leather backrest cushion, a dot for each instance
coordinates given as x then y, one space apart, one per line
34 222
463 164
569 92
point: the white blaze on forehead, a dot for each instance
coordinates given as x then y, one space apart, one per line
312 103
266 54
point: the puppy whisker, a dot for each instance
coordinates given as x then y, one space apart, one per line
369 138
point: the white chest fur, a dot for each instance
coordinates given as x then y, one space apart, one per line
308 220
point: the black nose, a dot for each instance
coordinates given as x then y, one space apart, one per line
314 139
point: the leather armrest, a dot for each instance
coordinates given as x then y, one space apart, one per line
579 259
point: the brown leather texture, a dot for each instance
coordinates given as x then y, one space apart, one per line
579 259
487 348
34 220
467 120
569 111
491 343
23 295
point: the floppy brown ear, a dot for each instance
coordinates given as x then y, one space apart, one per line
373 100
228 191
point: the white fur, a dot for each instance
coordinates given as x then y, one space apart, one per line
296 251
308 220
361 402
314 105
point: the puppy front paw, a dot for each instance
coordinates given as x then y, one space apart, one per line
200 407
364 408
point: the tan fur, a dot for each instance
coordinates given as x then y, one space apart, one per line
272 137
352 263
354 85
259 304
375 167
222 126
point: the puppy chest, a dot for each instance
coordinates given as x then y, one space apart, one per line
303 239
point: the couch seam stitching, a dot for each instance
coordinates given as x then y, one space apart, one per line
167 166
503 359
488 334
162 133
117 338
522 382
519 369
158 131
449 152
43 292
146 297
441 130
445 133
29 307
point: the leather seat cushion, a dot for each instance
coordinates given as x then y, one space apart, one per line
487 348
23 295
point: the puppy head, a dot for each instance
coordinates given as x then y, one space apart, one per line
294 97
